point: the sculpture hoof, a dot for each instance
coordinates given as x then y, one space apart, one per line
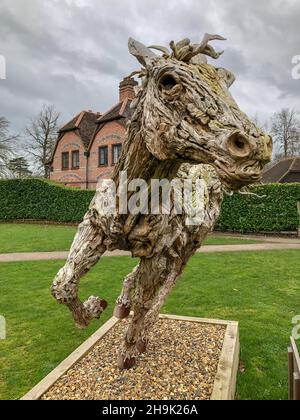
103 304
126 363
121 311
141 346
94 307
84 313
81 324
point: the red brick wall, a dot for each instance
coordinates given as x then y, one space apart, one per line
72 177
112 133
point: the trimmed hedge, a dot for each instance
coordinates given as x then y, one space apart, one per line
34 199
277 212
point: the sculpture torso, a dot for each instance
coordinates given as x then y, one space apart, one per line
149 235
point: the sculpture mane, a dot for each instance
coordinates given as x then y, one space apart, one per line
185 126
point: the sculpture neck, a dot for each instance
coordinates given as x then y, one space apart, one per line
139 163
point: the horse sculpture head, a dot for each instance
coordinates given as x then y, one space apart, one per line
187 113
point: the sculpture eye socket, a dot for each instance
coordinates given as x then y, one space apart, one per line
167 82
239 145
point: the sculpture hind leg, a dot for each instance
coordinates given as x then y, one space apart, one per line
86 251
149 276
152 315
124 301
176 267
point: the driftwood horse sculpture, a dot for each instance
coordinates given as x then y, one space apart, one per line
185 126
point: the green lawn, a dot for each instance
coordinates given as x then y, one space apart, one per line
225 240
260 290
35 238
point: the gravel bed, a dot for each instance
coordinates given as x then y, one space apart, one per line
180 364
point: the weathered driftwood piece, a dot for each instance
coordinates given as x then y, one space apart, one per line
185 126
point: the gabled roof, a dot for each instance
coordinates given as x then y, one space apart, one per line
71 125
121 110
84 124
286 170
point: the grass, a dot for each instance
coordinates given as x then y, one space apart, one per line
34 238
260 290
225 240
40 238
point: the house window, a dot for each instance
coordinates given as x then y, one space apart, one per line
116 153
75 159
103 156
65 160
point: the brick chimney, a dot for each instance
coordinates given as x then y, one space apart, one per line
126 89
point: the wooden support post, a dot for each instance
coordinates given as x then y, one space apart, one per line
294 372
296 386
291 373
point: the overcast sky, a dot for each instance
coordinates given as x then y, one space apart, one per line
73 53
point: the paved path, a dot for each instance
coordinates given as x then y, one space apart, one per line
265 246
260 238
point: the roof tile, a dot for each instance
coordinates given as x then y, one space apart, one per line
282 170
85 123
121 110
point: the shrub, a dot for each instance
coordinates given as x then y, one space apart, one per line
277 212
34 199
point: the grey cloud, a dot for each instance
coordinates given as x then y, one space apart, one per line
73 53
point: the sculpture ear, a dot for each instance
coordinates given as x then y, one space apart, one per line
227 76
143 54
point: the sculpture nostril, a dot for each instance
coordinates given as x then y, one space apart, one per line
238 145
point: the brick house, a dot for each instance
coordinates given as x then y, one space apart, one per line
89 145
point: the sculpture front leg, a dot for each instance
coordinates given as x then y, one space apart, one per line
86 251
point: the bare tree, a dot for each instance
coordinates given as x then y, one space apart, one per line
286 132
6 144
42 134
262 124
